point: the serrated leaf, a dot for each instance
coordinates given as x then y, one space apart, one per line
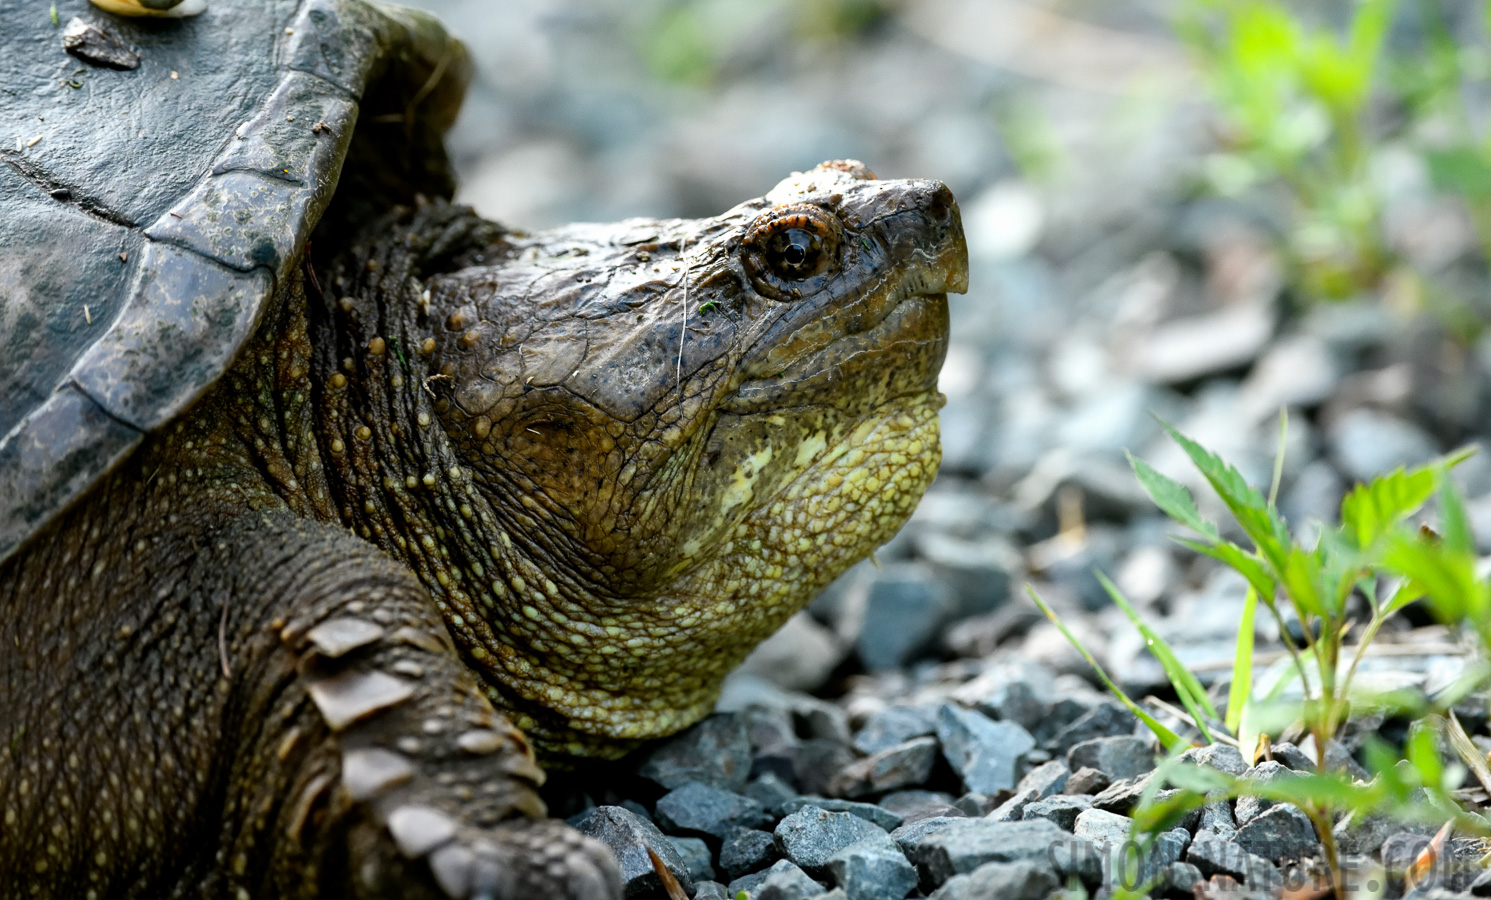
1371 510
1192 695
1446 577
1167 738
1259 521
1171 497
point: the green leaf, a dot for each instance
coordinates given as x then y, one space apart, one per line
1244 563
1167 738
1447 577
1259 520
1452 519
1302 582
1192 695
1240 695
1171 497
1373 509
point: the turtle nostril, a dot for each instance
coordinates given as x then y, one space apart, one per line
940 205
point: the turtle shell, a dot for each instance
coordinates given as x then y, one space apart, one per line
147 215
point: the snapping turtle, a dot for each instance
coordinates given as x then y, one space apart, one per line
324 502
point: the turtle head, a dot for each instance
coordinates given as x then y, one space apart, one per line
688 427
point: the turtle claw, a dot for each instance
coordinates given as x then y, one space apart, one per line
523 860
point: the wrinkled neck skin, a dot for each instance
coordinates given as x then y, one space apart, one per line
611 506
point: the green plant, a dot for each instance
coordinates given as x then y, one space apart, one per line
1297 101
1375 553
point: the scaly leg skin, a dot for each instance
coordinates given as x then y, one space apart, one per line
367 762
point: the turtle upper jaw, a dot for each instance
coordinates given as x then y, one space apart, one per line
899 355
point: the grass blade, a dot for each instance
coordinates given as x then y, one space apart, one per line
1167 738
1241 692
1192 695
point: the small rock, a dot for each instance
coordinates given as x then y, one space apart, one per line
1181 350
974 803
1214 856
716 752
873 869
987 754
748 884
768 727
895 725
810 836
876 815
965 844
1180 878
746 850
905 610
1481 886
1216 817
817 764
799 656
771 792
1062 809
1047 779
913 804
786 881
1013 809
1106 720
711 890
698 809
912 833
1293 757
1121 796
1222 757
1401 849
1104 829
1365 442
976 571
1022 880
1087 781
1359 835
1077 858
1266 772
900 766
630 837
1062 713
1297 371
783 881
1116 757
695 854
1279 833
97 47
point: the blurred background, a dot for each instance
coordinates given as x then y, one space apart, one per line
1207 211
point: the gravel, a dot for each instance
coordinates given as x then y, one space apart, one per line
927 698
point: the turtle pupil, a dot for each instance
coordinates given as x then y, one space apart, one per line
796 252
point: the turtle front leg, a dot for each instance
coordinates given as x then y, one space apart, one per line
368 762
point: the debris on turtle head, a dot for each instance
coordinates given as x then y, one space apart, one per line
172 9
97 47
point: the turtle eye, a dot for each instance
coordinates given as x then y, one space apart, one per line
790 245
795 253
